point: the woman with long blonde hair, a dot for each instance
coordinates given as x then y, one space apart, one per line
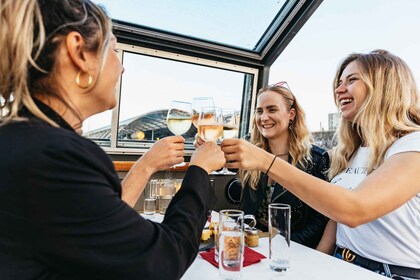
374 194
64 212
279 128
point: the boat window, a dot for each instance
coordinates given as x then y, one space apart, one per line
245 24
151 80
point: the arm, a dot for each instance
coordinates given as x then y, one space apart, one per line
376 196
81 229
162 155
327 243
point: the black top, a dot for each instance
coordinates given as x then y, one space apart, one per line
62 217
307 225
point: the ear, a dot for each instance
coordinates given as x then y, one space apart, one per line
76 51
292 114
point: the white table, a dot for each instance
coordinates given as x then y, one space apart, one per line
305 263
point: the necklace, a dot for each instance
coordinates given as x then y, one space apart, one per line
282 155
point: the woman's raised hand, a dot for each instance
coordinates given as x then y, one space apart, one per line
242 154
198 141
164 153
208 156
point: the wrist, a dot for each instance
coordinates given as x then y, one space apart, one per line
143 167
267 160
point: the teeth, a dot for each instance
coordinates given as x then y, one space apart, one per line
343 101
268 125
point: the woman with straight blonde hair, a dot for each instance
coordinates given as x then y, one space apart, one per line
374 194
279 128
64 212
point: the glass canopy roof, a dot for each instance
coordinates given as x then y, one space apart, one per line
242 24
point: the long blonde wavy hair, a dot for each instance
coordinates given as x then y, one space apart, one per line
390 110
31 31
300 139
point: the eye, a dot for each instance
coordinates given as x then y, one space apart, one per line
352 79
116 50
258 112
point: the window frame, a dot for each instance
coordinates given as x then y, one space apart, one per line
248 97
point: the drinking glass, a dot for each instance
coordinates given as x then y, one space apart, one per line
230 130
166 193
210 123
231 243
197 104
279 236
179 119
150 199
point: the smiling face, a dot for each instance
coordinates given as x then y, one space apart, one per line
273 115
351 91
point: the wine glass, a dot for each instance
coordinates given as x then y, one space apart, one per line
210 123
230 130
197 104
179 119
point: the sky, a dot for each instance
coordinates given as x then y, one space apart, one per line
308 64
336 29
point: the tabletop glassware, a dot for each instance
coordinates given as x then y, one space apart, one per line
230 130
279 233
229 250
178 119
197 104
210 123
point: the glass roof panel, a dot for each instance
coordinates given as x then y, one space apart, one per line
237 23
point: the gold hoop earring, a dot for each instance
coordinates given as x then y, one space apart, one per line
78 80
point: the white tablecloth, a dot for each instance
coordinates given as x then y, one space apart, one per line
305 264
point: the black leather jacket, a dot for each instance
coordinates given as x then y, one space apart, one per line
307 225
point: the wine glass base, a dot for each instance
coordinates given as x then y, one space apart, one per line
178 165
226 171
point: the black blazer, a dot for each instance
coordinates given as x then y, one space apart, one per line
307 225
62 216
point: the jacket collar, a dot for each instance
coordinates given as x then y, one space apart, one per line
49 112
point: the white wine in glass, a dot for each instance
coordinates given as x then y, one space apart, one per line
178 119
197 104
230 130
210 123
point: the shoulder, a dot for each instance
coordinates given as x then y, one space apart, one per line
47 145
407 143
318 152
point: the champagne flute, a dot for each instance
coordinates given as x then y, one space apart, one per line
210 123
179 119
197 104
230 130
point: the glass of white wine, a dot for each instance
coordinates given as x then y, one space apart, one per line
210 123
197 104
230 130
179 119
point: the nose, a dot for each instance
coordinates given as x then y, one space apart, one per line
122 70
340 89
264 115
